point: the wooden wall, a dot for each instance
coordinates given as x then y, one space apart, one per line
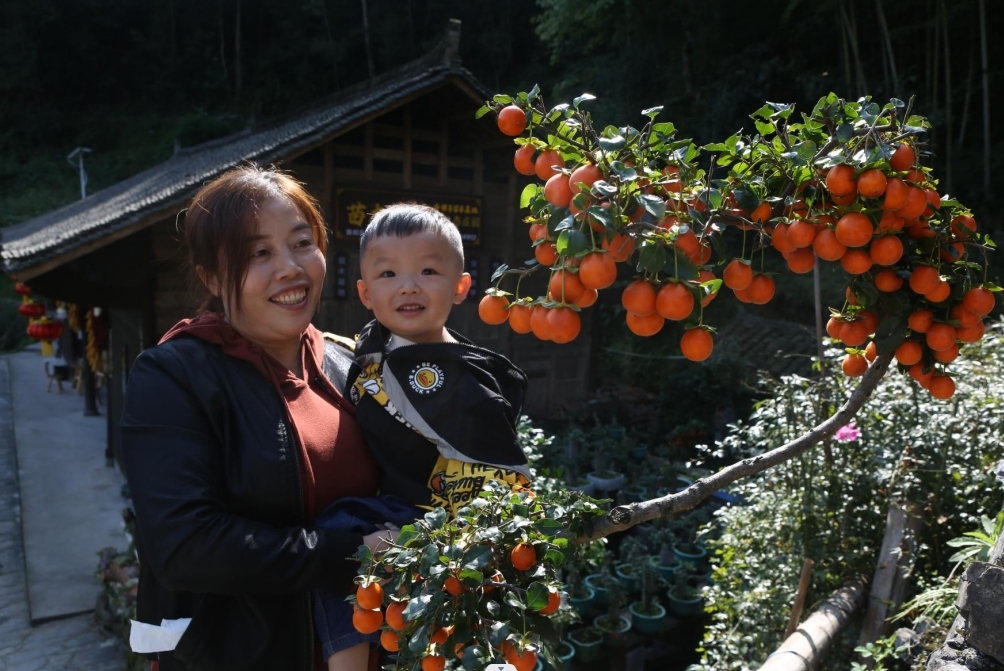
426 147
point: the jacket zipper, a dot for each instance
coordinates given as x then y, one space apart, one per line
285 438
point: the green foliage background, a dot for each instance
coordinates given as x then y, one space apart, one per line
133 80
830 504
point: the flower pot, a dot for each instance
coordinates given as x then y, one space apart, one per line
627 576
668 572
586 488
698 558
607 481
587 642
685 607
613 637
602 597
583 604
564 654
646 623
615 432
631 494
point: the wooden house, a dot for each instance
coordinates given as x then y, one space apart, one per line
408 135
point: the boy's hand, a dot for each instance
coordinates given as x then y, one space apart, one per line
381 539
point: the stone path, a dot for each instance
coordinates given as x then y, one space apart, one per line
71 644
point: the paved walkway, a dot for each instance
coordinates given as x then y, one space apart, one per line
70 644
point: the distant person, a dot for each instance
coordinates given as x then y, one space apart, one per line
236 433
439 413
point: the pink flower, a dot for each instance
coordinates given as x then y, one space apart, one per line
847 434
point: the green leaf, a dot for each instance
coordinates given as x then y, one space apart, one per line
537 596
654 205
602 215
498 632
665 128
624 172
615 143
585 97
483 110
746 199
477 557
502 99
528 194
571 242
476 658
532 95
513 600
764 128
845 132
499 272
468 575
651 256
652 112
603 189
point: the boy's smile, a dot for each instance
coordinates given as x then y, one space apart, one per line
411 283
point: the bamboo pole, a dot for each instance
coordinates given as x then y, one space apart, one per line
803 589
902 524
806 648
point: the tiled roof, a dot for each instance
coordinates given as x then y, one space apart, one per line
171 183
774 345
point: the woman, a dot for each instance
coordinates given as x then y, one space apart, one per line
235 435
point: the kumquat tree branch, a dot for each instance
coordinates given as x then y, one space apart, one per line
626 516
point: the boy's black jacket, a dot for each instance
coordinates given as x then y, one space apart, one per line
454 399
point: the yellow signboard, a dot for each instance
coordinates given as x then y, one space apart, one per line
354 207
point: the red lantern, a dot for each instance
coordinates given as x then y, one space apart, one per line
22 288
32 310
45 329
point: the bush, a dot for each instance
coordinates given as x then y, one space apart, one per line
830 503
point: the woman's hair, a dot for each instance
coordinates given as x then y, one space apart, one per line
222 218
404 219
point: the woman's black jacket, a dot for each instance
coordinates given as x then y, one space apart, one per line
214 475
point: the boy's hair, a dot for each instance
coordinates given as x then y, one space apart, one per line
405 219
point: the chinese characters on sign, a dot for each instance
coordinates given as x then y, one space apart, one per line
354 207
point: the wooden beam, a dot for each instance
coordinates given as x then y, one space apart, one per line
479 171
368 152
406 168
806 648
444 145
329 177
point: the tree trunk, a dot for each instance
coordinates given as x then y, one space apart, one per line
850 27
986 99
969 95
223 51
366 39
331 43
888 47
237 48
948 100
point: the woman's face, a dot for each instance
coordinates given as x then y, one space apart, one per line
285 276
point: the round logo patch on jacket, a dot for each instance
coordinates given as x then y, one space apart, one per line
426 378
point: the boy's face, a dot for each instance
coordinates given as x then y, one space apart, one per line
411 284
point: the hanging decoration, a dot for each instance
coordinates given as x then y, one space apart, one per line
46 330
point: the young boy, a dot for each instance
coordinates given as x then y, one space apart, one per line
438 412
455 404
